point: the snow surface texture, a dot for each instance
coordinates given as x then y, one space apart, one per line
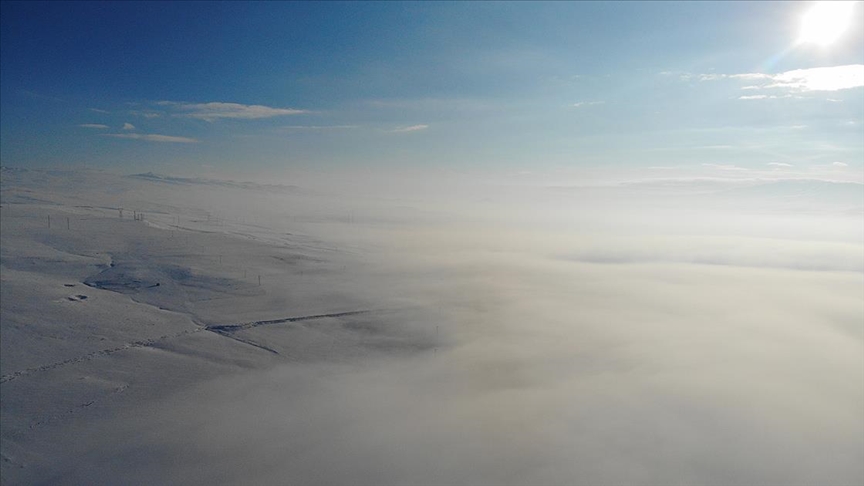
644 334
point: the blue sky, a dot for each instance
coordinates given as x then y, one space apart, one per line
701 88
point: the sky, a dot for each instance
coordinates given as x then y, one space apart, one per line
541 91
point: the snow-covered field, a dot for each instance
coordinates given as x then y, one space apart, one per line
175 331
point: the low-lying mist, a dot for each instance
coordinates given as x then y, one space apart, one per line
567 338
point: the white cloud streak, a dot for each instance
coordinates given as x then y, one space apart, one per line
218 110
318 127
128 126
821 79
153 137
412 128
723 166
748 76
145 114
834 78
93 125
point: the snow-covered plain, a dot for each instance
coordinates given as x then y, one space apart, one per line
629 335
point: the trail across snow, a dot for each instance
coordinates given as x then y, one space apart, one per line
223 330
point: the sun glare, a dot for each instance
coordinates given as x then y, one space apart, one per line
825 22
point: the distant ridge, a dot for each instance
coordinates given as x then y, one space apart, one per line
150 176
798 194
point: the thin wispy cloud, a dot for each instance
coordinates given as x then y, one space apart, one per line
723 167
748 76
99 110
318 127
705 77
218 110
766 97
779 164
840 164
93 125
145 114
128 126
412 128
153 137
581 104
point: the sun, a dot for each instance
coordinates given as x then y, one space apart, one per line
825 22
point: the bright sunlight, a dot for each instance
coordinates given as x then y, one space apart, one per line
825 22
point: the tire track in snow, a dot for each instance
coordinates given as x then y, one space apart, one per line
224 330
247 325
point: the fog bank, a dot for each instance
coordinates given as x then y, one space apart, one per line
724 347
